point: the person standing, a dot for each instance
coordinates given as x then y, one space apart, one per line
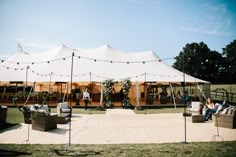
86 98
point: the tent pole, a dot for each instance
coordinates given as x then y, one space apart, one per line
184 97
50 83
145 77
26 79
65 92
71 80
137 95
201 91
101 97
173 97
90 77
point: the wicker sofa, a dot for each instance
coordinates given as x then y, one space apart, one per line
43 122
28 109
225 120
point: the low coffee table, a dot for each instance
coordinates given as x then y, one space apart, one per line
63 118
197 118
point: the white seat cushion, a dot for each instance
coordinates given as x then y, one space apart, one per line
65 110
195 106
63 107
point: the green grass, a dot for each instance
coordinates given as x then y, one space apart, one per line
15 116
82 111
160 110
198 149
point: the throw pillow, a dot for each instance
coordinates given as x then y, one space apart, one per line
32 108
225 111
230 111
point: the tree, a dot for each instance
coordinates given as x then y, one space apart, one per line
229 54
199 61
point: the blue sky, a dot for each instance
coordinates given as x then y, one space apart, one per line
163 26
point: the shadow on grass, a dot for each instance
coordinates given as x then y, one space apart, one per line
12 153
62 152
9 126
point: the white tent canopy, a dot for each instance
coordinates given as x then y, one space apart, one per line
90 65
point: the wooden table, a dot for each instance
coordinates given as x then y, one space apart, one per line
197 118
63 118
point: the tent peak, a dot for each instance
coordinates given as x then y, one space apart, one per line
107 46
63 45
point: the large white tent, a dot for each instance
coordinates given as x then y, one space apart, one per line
90 65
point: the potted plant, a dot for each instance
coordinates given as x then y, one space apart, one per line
26 110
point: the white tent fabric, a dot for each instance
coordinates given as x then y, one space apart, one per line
90 65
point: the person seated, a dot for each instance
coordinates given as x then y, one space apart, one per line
178 97
211 108
186 98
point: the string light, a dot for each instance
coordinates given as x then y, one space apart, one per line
48 61
136 76
94 59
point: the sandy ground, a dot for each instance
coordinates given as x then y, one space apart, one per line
120 126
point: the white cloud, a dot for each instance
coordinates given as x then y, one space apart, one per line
212 20
205 31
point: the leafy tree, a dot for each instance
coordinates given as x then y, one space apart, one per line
197 60
229 54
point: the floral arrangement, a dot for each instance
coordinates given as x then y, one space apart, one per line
108 86
125 86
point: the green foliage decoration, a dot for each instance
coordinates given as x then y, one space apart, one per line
107 90
125 87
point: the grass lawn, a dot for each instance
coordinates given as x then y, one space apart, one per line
82 111
198 149
15 116
195 149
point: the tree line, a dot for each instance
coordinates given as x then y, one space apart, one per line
197 60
